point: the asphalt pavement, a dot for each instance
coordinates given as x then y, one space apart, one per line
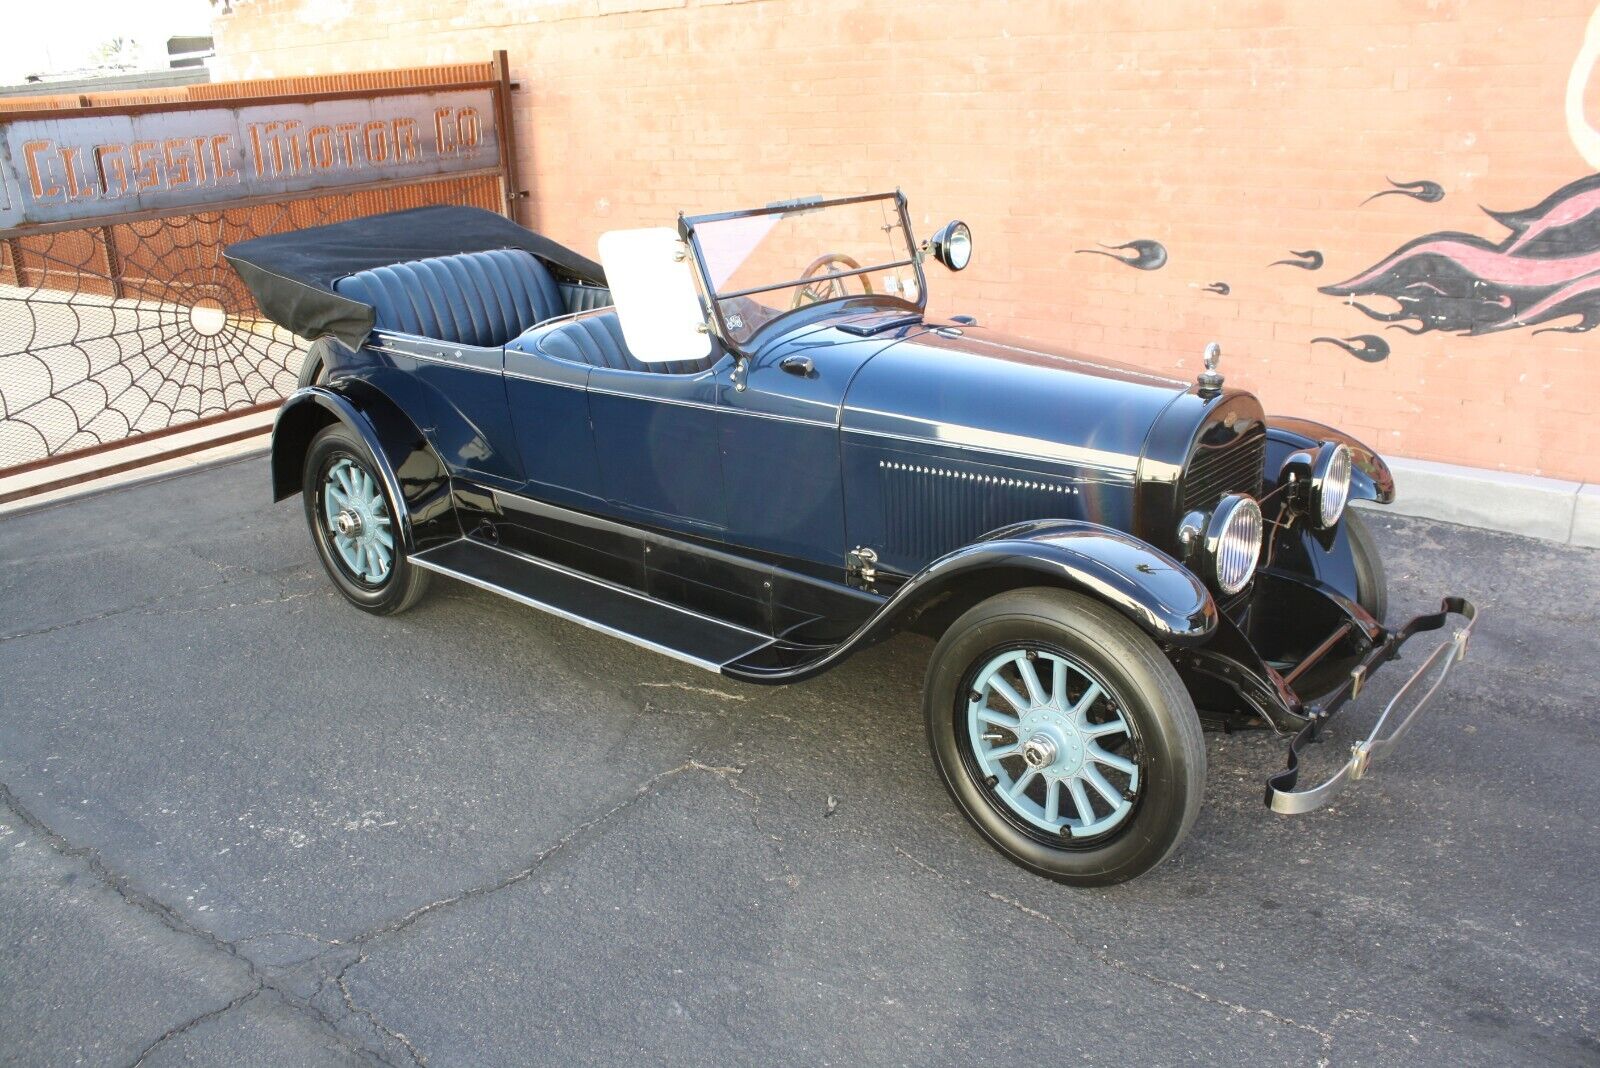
244 823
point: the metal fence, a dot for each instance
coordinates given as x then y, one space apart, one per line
118 315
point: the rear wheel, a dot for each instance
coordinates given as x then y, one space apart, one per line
353 526
1065 736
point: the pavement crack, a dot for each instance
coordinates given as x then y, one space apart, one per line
371 1017
708 691
1324 1035
170 918
522 874
1105 957
118 883
258 602
196 1021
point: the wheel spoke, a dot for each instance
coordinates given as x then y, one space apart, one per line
1030 679
383 537
999 719
1080 801
1100 730
1080 711
1011 697
1000 752
1052 800
1112 760
1092 775
1058 682
1016 789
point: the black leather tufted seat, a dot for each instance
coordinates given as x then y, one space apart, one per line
472 298
597 340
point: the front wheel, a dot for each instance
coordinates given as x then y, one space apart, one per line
1065 736
353 525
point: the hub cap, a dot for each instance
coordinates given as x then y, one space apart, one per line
1052 744
358 522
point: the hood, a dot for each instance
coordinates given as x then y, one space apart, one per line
971 387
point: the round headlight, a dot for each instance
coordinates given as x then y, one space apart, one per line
1330 484
952 245
1233 542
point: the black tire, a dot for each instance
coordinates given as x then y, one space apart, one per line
1140 681
1372 585
313 366
404 583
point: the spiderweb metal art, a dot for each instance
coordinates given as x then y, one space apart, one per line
112 331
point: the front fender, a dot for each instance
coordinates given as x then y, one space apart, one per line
411 473
1157 592
1143 583
1371 479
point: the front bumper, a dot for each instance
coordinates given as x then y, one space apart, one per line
1281 795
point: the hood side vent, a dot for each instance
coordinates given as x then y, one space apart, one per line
931 509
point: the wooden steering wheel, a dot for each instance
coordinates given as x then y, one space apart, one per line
828 288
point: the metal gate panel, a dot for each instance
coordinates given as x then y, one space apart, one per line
118 316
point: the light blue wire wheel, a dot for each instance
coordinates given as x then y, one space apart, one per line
359 527
1053 744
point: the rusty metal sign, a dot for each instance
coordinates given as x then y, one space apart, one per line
64 166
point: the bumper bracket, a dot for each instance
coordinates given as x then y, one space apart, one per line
1282 797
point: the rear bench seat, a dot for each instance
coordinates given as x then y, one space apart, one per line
597 341
471 298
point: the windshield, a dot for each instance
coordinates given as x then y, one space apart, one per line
771 261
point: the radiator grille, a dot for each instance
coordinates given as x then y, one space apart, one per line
1237 467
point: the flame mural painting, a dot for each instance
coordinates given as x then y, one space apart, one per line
1546 269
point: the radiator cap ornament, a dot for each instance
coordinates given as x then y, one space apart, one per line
1211 379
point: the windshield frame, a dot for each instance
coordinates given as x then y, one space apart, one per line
686 230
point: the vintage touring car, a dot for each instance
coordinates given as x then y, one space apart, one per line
743 444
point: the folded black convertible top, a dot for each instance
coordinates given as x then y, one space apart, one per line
291 274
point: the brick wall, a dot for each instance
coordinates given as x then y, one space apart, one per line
1231 133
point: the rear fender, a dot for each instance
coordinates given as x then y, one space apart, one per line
411 472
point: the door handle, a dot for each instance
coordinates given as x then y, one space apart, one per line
798 365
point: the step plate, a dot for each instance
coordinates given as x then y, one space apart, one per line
622 613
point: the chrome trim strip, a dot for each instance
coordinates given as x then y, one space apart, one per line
1046 451
443 361
522 377
573 617
715 407
988 440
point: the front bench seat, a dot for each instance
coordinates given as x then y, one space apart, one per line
597 341
470 298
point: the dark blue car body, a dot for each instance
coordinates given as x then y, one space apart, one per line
853 468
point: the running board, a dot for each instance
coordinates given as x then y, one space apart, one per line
615 610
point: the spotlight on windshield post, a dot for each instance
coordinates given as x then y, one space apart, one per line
952 246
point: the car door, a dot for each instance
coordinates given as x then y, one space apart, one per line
780 450
656 442
549 409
